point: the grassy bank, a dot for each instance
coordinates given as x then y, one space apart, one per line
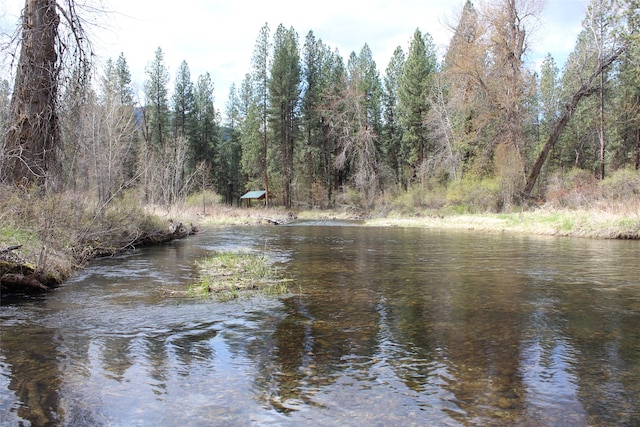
552 222
43 239
594 219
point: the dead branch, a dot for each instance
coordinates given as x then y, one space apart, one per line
9 249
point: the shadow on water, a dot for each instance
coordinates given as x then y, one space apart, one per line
385 326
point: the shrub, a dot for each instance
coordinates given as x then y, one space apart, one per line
573 189
475 196
203 198
622 185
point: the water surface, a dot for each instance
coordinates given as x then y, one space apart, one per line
385 326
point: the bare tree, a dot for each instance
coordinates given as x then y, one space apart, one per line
33 136
356 141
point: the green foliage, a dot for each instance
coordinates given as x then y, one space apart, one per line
414 86
183 100
284 92
157 101
475 195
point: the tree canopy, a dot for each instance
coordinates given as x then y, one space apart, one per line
314 128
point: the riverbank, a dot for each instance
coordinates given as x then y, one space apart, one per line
550 222
44 239
618 222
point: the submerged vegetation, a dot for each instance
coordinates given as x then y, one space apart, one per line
227 275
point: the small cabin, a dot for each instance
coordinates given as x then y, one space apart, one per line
254 195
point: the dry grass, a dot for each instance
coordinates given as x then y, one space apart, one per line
227 275
60 232
572 223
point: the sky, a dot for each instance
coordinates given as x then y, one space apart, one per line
219 36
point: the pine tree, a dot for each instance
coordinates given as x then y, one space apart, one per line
156 109
313 63
336 85
260 79
364 72
583 71
414 101
230 178
391 141
205 138
628 98
113 132
284 92
183 102
125 91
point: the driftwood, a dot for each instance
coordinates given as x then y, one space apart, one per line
175 231
274 221
9 249
28 281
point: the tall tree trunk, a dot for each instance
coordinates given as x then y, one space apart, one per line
34 134
602 136
638 150
586 89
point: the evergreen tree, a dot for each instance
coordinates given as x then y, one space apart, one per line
313 64
331 108
284 91
392 131
125 91
550 96
113 132
205 135
156 108
183 102
582 78
230 178
260 79
628 98
251 137
414 101
364 72
356 114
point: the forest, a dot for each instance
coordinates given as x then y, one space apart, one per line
477 128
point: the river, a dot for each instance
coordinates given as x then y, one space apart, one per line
383 326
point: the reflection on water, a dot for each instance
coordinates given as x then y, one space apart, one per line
386 327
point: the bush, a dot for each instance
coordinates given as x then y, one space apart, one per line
622 185
206 198
572 190
475 196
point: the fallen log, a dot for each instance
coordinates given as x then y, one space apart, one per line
274 221
29 281
9 249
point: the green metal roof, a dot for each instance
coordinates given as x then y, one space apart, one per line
254 195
